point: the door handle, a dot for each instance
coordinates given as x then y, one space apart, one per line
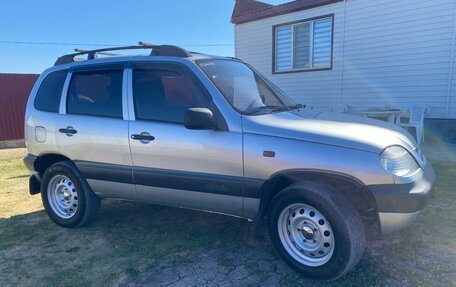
143 137
69 131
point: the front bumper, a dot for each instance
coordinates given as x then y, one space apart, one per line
400 204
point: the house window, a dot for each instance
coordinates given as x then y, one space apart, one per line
305 45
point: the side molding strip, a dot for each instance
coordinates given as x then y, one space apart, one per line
182 180
106 172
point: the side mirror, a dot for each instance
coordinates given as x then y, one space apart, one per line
199 119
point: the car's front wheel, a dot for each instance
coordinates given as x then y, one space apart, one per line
316 230
67 198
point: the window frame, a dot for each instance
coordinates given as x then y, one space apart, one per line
93 69
66 71
175 67
293 40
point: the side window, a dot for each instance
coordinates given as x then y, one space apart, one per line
96 93
49 94
165 95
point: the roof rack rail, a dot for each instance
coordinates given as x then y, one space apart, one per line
157 50
99 53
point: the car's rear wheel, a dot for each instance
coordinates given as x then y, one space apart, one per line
62 196
316 230
67 198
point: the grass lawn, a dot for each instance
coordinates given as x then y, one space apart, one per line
128 238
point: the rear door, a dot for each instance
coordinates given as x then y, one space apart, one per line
93 130
200 169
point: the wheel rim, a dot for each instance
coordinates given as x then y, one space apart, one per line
62 196
306 234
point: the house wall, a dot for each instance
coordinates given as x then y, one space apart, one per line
390 52
452 84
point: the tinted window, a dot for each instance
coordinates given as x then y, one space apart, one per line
49 94
97 93
165 95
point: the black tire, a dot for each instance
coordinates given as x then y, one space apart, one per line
88 203
344 219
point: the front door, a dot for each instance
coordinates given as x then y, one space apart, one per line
175 166
92 132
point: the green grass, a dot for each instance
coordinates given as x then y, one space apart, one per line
126 239
130 237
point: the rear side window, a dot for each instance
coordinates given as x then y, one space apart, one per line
96 93
49 94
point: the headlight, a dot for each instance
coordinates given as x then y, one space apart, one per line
398 161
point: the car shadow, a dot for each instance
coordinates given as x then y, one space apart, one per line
160 237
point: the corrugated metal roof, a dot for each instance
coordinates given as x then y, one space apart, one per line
14 92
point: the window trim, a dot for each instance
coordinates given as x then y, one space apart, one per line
311 20
94 70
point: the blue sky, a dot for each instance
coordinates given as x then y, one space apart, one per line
182 22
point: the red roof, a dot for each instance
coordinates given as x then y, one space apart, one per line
251 10
243 7
14 92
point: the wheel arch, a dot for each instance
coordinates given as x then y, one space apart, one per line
357 193
45 160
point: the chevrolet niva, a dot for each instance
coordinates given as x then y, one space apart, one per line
188 130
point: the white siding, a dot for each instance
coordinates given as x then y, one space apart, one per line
452 83
254 45
452 101
385 52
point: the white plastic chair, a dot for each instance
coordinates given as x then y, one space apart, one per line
340 108
416 121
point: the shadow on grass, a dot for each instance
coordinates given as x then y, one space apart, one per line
129 238
19 176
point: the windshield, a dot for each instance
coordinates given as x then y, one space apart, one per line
245 89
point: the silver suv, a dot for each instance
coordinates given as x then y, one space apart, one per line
188 130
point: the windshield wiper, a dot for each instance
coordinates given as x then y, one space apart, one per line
290 107
296 106
274 108
262 108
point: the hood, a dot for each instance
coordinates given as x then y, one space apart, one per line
330 128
